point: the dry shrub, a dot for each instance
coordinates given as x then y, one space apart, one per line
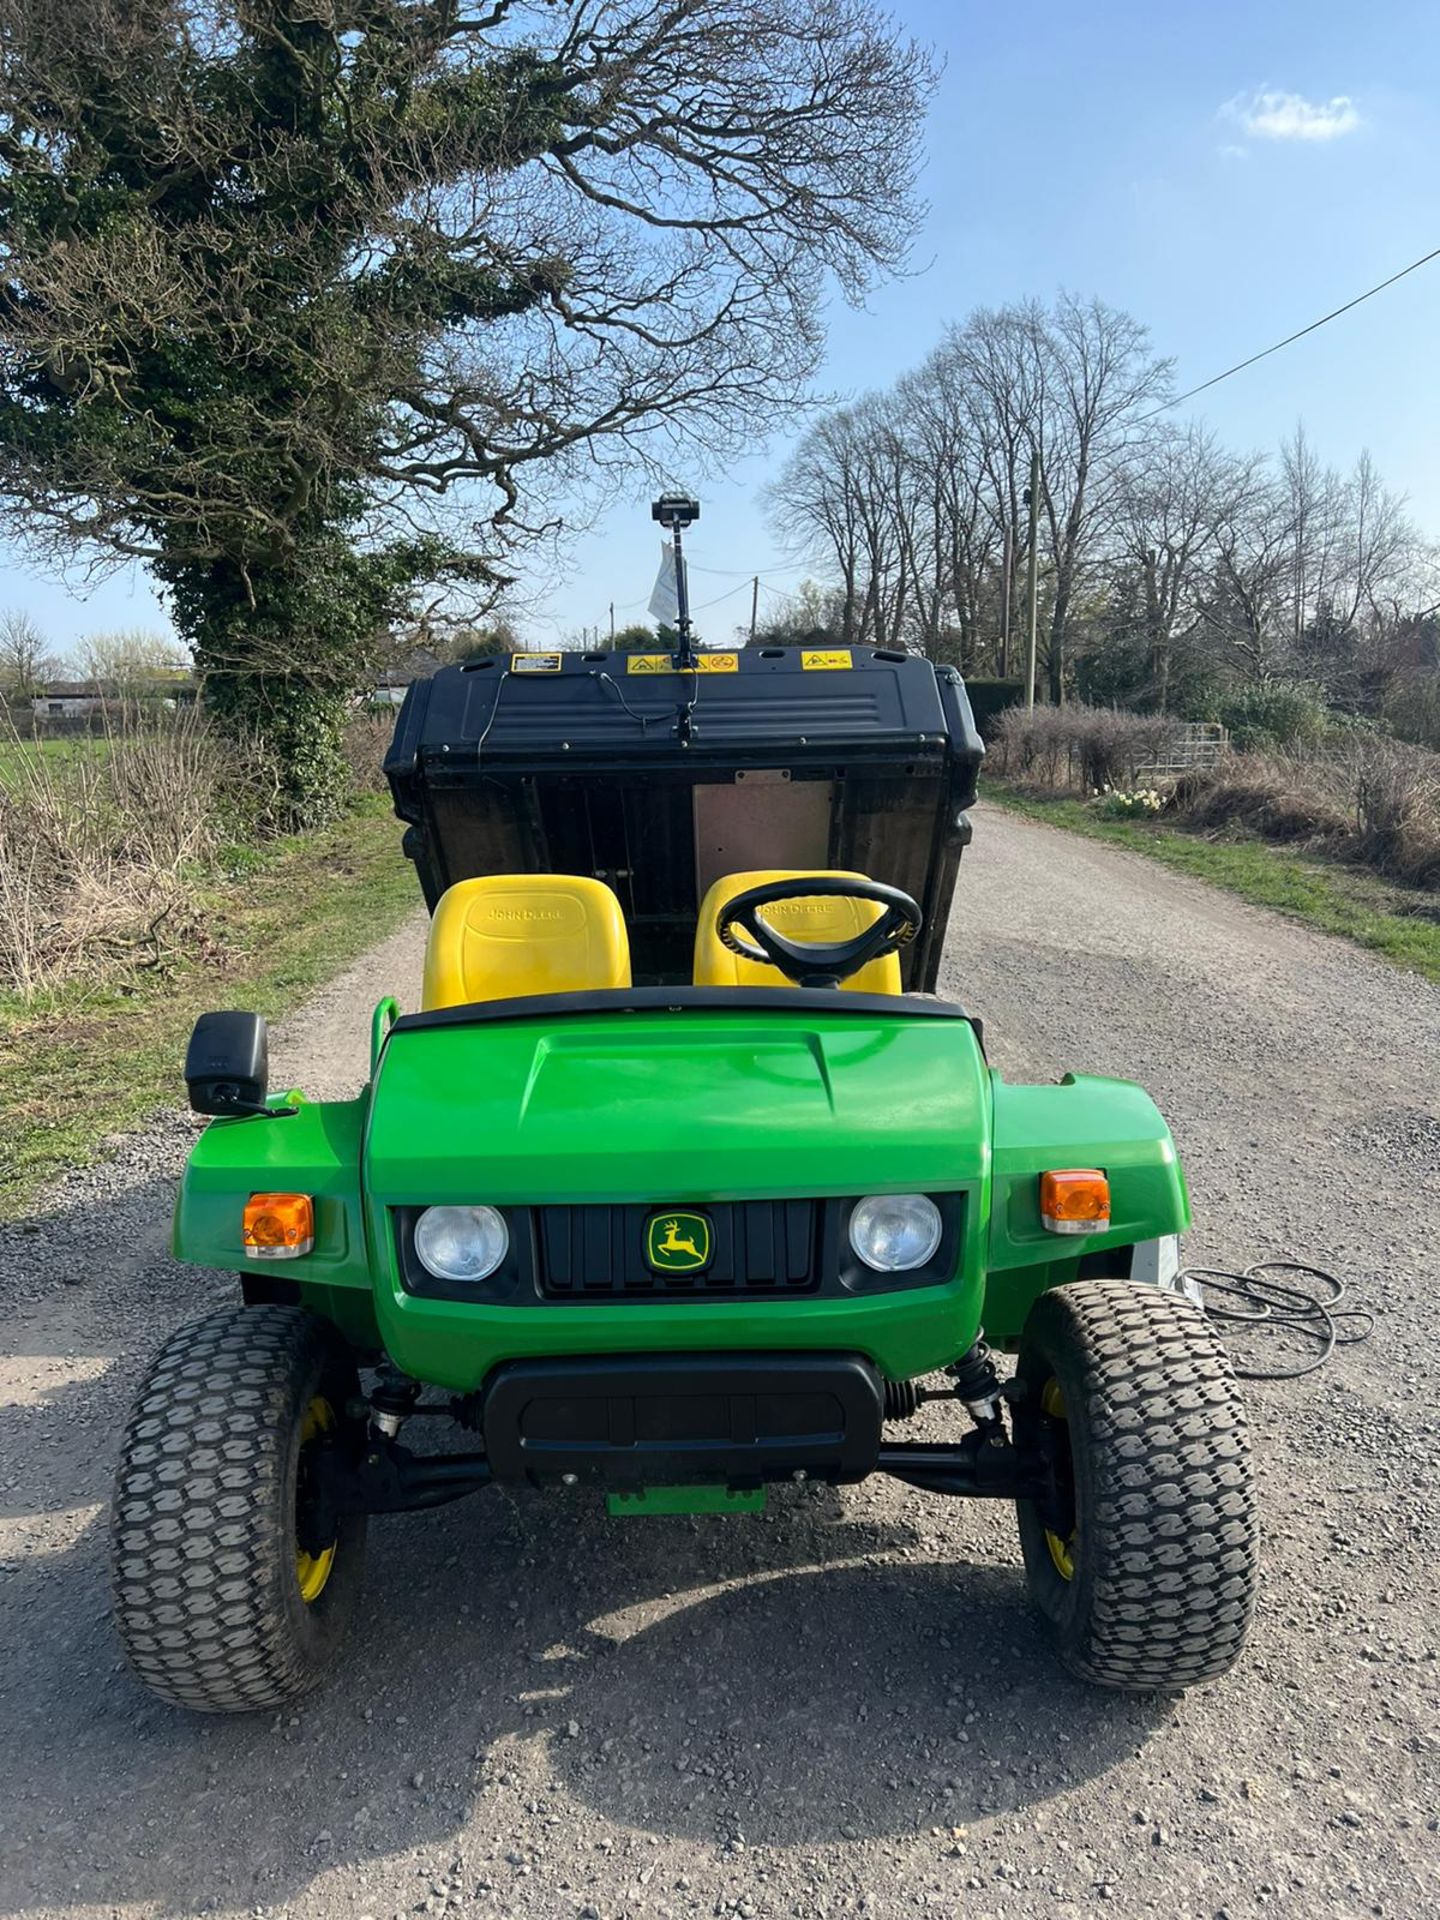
367 740
1080 747
100 845
1276 796
1397 809
1376 801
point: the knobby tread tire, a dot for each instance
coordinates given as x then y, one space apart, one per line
202 1545
1167 1541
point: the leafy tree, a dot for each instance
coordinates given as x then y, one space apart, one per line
811 617
300 298
475 643
638 638
1269 714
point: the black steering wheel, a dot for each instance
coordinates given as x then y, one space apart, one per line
817 963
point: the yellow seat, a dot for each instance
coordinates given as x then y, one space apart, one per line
508 934
819 918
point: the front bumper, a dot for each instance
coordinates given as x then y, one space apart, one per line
738 1419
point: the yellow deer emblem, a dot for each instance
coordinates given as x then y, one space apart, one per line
678 1242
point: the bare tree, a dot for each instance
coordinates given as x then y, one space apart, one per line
1001 379
1099 380
130 661
1246 604
817 503
1174 498
1384 562
26 660
956 534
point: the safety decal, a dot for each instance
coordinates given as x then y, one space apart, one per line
665 663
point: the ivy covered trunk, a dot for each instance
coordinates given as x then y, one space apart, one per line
284 650
296 725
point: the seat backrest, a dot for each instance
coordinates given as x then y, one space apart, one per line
507 934
821 917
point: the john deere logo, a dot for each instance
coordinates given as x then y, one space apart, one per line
678 1242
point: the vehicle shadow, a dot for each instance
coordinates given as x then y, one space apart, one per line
847 1666
791 1680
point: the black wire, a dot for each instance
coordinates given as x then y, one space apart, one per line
692 706
1290 340
610 681
499 695
1313 1315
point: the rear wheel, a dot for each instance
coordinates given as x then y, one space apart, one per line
230 1592
1144 1555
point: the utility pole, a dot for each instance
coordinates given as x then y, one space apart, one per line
1032 584
612 623
754 606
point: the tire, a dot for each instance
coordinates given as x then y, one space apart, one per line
206 1560
1144 1560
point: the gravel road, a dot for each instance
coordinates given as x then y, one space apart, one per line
844 1707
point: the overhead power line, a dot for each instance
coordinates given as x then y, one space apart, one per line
1291 338
728 595
626 606
747 573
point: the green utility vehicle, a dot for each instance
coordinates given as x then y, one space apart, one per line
681 1181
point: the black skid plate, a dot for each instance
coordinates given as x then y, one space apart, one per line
681 1419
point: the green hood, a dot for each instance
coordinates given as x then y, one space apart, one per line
711 1106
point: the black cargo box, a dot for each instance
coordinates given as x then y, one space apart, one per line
659 781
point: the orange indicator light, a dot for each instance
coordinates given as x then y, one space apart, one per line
278 1226
1075 1201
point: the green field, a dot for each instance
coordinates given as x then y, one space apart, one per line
81 1063
14 751
1398 922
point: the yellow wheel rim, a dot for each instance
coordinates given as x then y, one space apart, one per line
1062 1552
312 1570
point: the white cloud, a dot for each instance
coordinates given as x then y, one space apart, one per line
1233 153
1269 114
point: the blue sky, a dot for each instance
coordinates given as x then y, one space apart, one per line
1226 172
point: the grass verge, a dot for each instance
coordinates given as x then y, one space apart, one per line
83 1062
1398 922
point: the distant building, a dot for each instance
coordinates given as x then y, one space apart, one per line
67 699
392 685
77 699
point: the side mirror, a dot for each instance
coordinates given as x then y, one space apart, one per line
227 1064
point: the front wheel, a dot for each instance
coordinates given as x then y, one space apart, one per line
1144 1555
226 1596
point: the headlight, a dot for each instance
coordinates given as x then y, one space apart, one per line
895 1232
461 1243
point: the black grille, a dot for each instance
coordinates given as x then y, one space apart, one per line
758 1247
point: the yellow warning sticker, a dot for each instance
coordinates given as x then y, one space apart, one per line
665 663
826 660
536 662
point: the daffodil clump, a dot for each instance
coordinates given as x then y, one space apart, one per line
1133 803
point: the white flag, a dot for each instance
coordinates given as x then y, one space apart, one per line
664 601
